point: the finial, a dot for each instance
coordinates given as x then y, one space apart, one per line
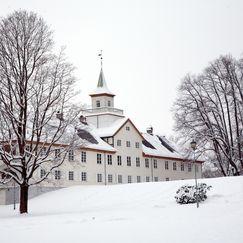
101 58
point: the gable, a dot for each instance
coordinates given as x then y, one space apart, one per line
132 127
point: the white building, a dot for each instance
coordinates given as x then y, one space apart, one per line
116 152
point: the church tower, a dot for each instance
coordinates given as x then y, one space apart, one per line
103 113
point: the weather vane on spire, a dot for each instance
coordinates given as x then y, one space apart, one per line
101 58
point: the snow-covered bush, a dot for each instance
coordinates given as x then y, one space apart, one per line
189 194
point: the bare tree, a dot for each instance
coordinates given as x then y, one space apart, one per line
36 110
209 108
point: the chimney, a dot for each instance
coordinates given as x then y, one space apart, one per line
59 115
82 119
150 130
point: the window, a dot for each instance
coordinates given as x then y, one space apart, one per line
137 145
83 157
147 163
182 166
128 128
43 152
28 150
129 179
137 162
119 160
155 164
109 103
128 143
147 179
57 153
42 173
119 178
97 103
156 178
70 175
167 178
138 179
110 179
166 165
189 167
109 159
129 161
57 174
118 142
83 176
98 158
70 155
174 166
99 177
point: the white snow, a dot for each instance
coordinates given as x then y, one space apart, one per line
112 129
101 145
130 213
159 150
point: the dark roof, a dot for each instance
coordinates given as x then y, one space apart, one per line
84 134
165 144
147 144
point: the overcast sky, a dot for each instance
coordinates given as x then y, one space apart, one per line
148 46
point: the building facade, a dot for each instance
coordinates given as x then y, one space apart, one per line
118 152
114 151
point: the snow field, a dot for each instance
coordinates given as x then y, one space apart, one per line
145 212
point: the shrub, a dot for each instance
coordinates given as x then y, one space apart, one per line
188 194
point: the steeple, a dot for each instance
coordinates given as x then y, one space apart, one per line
102 88
103 111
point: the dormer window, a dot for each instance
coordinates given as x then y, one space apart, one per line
97 103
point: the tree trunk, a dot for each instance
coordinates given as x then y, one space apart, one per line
23 206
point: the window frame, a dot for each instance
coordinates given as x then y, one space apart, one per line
118 142
138 162
174 166
99 178
57 175
98 104
109 159
83 176
71 175
129 161
155 162
99 159
110 178
71 155
146 161
166 165
83 157
119 160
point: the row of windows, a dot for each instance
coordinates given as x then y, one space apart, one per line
128 143
99 179
129 163
57 175
99 105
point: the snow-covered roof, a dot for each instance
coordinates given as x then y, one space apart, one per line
112 129
155 145
91 139
101 86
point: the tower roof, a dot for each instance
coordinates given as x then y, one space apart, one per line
102 88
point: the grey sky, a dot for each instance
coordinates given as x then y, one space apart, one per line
148 46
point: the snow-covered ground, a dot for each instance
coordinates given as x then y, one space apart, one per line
130 213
